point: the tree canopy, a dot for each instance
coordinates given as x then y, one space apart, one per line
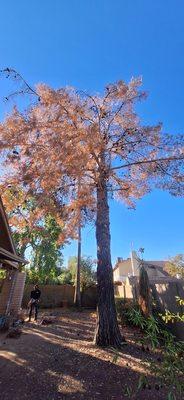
69 135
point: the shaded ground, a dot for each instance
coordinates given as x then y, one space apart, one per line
60 362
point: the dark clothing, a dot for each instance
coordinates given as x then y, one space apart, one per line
33 307
35 295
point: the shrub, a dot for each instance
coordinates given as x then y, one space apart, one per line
169 367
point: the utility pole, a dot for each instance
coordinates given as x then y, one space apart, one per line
132 260
77 294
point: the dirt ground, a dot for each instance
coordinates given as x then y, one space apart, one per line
59 361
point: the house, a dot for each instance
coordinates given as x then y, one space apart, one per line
12 286
163 287
125 268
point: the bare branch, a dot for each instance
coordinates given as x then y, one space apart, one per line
12 74
120 108
148 162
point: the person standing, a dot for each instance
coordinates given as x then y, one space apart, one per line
33 303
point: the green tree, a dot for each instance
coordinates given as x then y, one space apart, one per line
88 274
36 236
46 255
23 239
175 266
65 277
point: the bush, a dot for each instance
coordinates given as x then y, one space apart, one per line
169 368
122 306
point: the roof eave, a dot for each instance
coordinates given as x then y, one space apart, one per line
5 254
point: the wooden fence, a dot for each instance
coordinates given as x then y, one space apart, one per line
61 295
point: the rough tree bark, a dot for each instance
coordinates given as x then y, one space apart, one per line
107 331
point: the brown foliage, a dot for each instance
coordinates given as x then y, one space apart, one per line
70 136
71 149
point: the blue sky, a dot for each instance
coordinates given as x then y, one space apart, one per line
88 43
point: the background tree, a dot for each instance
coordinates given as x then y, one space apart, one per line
175 266
46 255
144 292
65 277
88 273
36 237
100 139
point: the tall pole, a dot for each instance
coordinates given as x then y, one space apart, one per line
77 294
132 263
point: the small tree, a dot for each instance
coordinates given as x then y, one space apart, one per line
65 277
38 236
46 257
88 273
144 292
175 266
69 135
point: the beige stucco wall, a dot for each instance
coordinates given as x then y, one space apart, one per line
123 269
123 291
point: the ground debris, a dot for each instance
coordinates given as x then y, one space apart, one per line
48 320
14 332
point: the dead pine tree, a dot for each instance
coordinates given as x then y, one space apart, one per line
70 134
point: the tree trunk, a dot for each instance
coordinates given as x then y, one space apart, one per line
107 330
77 294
